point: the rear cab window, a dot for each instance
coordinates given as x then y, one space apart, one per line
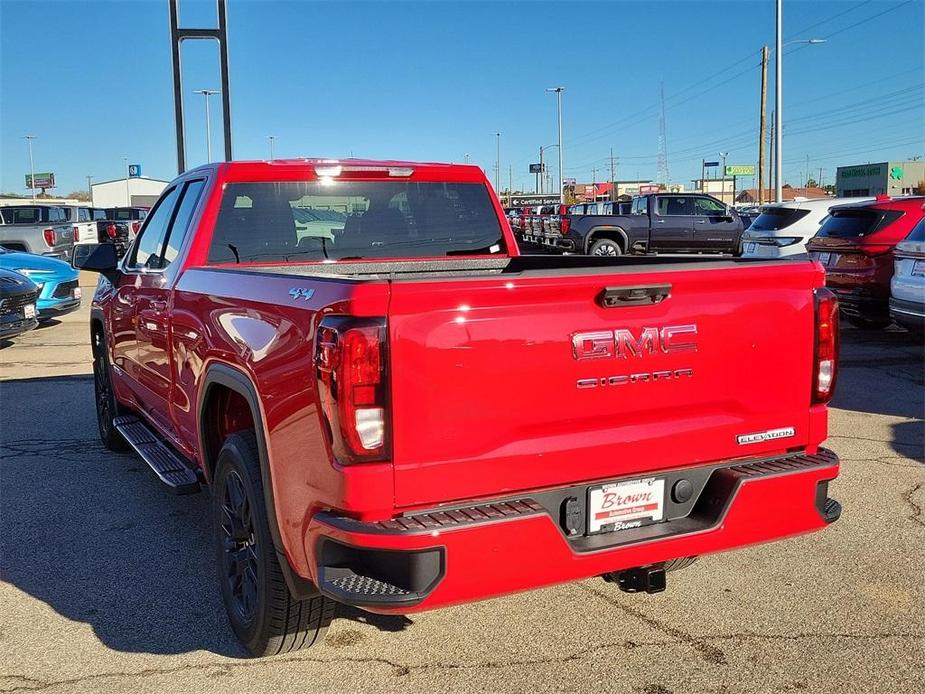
305 221
857 222
777 218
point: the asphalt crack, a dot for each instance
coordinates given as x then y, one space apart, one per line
29 684
708 652
916 516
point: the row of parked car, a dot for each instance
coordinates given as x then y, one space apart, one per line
873 249
53 229
37 281
655 223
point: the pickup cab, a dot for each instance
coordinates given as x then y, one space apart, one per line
394 409
39 229
656 223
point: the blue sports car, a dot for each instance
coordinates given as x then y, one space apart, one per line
59 290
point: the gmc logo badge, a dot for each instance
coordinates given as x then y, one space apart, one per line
622 343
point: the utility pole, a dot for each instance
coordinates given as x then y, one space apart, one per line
703 169
539 176
558 92
613 192
510 183
29 139
820 178
90 187
270 139
594 184
722 186
498 163
761 124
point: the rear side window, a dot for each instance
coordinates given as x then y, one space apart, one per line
312 221
918 232
21 215
855 223
777 218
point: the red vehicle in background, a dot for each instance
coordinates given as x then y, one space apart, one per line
855 244
394 409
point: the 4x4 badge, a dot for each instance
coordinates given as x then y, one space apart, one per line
301 293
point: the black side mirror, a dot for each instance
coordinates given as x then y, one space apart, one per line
96 257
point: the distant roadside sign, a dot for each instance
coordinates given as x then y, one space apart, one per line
568 181
134 170
40 180
708 164
645 188
536 168
740 169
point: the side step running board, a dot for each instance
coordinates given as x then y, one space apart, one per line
169 467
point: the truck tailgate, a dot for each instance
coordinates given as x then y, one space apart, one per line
489 395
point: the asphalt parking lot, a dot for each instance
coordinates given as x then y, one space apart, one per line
108 581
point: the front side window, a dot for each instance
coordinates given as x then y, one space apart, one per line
147 251
345 220
708 207
181 221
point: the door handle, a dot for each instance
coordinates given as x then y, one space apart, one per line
613 297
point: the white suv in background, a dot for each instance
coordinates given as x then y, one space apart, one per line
782 229
907 290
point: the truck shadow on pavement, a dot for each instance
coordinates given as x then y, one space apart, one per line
93 534
883 373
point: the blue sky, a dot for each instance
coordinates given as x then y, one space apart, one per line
434 81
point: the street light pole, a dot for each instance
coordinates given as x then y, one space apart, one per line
558 91
778 99
90 188
29 139
271 139
723 183
207 93
128 196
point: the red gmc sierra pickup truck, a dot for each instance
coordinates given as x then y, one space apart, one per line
394 409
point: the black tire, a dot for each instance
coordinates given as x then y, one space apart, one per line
739 249
607 248
262 612
869 323
678 564
107 407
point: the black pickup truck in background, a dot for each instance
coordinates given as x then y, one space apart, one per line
656 223
120 226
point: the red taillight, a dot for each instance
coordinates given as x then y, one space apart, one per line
49 235
111 230
565 223
523 222
351 375
825 357
135 227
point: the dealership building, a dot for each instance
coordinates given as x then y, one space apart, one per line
127 192
885 178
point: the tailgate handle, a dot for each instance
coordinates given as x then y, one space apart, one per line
641 295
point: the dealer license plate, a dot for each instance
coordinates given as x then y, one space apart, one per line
918 268
28 311
751 248
824 258
625 505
